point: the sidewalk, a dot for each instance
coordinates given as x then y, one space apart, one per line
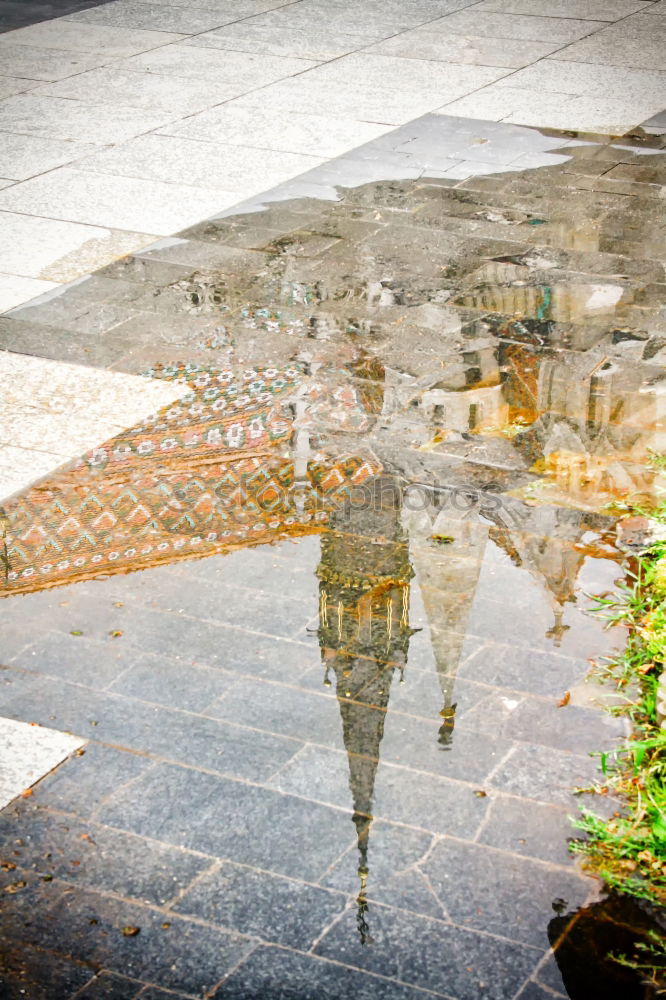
128 120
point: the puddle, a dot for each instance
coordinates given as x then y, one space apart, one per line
390 486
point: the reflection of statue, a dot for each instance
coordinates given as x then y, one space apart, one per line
364 634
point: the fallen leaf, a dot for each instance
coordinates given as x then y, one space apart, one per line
480 794
7 866
76 631
15 887
564 700
26 793
130 931
116 633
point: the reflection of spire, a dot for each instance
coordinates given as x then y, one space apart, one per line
447 575
364 635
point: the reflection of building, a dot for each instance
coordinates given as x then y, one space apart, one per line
364 634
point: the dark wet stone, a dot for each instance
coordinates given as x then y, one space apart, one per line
245 823
535 992
509 896
276 909
81 783
28 972
401 795
532 670
108 986
391 855
180 736
431 954
165 682
77 659
527 827
284 975
184 956
545 774
96 857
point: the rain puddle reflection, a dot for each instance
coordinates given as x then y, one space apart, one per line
447 388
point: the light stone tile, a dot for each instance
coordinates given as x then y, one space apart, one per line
591 114
27 753
237 123
417 76
153 17
15 290
240 68
175 160
35 63
110 42
5 182
657 8
60 251
145 206
559 76
288 40
148 91
10 85
623 45
596 10
550 110
486 24
65 119
421 43
19 467
23 156
240 8
370 104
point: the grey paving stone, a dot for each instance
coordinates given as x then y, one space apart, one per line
429 802
83 782
545 774
568 727
94 857
526 827
244 823
276 909
30 972
508 896
76 658
15 683
285 975
448 959
108 986
165 682
184 956
181 736
391 855
522 669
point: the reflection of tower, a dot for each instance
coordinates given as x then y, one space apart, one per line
364 635
447 553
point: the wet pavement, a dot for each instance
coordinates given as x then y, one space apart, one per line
322 619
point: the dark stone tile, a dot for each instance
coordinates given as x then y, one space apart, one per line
273 974
15 637
502 894
27 972
531 670
16 683
154 994
244 823
400 795
184 956
180 736
525 827
277 909
77 659
545 774
532 720
270 569
109 986
164 682
96 857
391 855
533 991
82 782
431 954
